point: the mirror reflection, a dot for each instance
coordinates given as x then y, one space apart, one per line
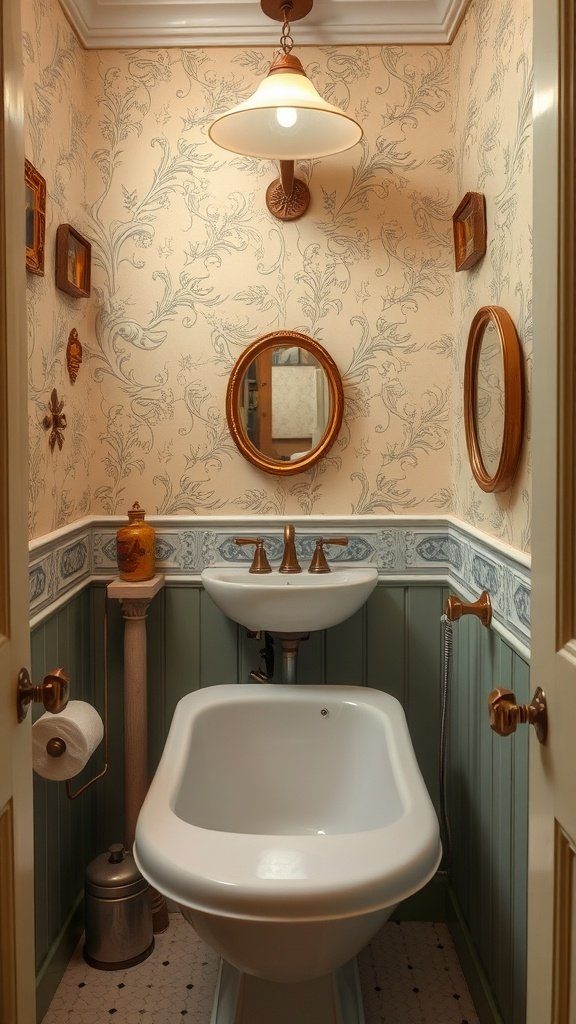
490 404
284 402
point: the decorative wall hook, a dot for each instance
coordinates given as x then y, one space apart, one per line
73 355
55 421
482 608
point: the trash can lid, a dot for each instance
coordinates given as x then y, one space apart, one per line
114 874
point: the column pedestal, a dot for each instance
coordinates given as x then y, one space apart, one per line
135 598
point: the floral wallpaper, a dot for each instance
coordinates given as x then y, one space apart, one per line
493 127
189 268
57 126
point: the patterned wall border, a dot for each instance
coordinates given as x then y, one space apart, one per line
403 548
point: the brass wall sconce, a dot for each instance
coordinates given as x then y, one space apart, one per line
286 119
55 421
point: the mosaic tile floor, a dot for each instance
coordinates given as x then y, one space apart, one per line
409 974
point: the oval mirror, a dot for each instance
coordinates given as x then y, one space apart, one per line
284 402
493 398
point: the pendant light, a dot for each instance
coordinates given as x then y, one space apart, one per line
286 119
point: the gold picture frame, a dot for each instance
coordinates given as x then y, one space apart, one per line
35 186
73 261
469 226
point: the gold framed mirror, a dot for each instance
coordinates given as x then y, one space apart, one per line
284 402
493 398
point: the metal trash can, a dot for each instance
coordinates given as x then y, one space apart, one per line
118 912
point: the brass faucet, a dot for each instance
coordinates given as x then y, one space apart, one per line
319 563
289 559
260 563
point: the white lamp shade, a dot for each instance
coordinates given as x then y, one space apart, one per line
253 127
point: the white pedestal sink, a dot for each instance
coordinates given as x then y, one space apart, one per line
289 603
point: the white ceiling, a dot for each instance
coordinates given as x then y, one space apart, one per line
151 23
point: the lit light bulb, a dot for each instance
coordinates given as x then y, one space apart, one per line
286 116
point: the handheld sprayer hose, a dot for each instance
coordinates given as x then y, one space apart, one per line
447 647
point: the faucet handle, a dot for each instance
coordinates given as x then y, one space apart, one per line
260 563
319 563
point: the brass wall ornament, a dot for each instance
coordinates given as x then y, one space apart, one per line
73 355
55 421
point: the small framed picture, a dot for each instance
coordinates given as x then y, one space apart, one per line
73 261
469 222
35 186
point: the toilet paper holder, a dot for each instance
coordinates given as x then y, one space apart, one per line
52 692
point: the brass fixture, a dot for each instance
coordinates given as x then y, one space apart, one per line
55 421
52 692
286 119
482 608
73 355
260 563
56 746
287 197
254 369
505 714
319 563
289 559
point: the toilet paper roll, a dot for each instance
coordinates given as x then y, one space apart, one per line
81 728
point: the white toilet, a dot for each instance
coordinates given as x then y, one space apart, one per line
287 822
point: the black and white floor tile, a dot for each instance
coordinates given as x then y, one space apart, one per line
409 974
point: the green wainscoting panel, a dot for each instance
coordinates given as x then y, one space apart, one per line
394 644
424 606
64 830
345 652
488 803
387 629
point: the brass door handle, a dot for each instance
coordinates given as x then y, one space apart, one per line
505 714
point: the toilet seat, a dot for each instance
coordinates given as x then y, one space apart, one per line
273 877
220 872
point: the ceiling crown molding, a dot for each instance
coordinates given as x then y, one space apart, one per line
123 24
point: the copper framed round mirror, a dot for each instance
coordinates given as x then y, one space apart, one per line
284 402
493 398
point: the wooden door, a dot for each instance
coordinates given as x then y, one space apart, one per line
17 1003
552 854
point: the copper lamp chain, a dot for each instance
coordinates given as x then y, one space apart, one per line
286 41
